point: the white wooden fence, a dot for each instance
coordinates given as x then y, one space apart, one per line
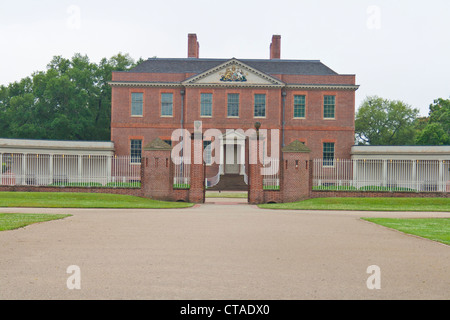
69 170
382 175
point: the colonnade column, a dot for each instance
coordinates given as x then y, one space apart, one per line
50 168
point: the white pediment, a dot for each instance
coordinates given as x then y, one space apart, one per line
233 73
232 135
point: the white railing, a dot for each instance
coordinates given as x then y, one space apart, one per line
271 174
382 175
126 172
182 174
69 170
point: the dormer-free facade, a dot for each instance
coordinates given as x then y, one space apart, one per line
304 99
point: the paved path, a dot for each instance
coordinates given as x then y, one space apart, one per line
219 251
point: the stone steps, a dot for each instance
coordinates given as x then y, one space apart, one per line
230 182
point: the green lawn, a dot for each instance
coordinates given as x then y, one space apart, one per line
10 221
436 229
82 200
225 194
366 204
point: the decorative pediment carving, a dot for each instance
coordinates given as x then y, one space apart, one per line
233 73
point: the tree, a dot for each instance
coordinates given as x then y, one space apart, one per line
437 130
385 122
433 135
71 100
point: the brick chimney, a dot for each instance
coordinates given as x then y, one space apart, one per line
193 46
275 47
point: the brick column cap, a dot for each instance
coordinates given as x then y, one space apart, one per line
296 146
157 144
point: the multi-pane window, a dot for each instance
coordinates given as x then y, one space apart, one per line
299 106
260 105
207 147
136 150
328 153
206 104
329 105
233 105
166 104
137 103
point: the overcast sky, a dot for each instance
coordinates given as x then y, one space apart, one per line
398 49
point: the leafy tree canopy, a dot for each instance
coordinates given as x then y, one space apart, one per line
71 100
437 129
385 122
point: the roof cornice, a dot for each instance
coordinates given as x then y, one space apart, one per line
350 87
144 84
233 85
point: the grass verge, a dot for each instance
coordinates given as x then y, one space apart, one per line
224 194
82 200
11 221
366 204
436 229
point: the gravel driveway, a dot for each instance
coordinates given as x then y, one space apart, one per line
219 251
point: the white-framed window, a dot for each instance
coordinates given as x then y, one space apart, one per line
328 154
329 107
167 104
137 103
299 106
136 150
260 106
206 104
233 105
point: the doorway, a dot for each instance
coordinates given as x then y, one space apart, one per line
232 165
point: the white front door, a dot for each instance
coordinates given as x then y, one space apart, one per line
232 165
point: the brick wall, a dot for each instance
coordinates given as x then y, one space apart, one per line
125 191
158 173
295 171
313 130
255 179
157 178
197 176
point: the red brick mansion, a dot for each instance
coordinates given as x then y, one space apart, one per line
304 99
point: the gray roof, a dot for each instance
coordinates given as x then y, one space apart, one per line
196 66
35 146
